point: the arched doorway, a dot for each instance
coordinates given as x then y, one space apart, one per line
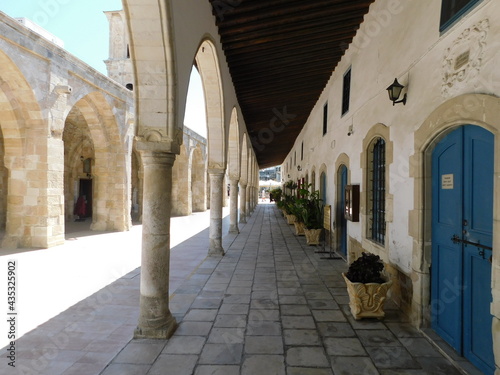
94 155
340 220
79 156
462 236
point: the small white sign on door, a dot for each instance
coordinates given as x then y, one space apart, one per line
447 181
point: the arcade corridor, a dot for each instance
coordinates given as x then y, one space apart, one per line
270 305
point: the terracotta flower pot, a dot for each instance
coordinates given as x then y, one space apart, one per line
290 219
367 300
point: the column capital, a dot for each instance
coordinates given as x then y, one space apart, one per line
151 145
155 153
216 171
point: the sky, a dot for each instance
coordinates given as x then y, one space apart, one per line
84 29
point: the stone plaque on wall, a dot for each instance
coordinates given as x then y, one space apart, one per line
462 61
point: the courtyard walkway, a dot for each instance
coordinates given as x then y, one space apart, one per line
270 306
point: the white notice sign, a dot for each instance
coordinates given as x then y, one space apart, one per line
447 181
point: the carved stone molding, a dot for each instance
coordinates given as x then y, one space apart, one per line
216 168
153 140
463 60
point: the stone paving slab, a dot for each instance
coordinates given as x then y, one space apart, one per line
270 306
283 310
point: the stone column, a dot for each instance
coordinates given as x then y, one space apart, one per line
243 203
155 318
247 203
233 206
217 189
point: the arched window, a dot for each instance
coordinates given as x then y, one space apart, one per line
376 191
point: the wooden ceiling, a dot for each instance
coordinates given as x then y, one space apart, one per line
281 54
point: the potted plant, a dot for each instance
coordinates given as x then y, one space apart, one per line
291 186
275 195
288 208
312 216
367 287
297 210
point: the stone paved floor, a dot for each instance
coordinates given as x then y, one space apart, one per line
271 305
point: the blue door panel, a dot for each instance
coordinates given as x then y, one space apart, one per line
343 221
479 199
478 212
446 256
446 304
461 272
478 339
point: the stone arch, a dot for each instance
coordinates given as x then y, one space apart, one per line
103 145
24 170
208 66
244 182
181 182
198 180
469 109
149 28
234 161
244 161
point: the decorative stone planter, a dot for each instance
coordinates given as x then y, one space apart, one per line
290 219
312 236
367 300
299 228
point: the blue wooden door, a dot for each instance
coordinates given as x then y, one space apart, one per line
462 226
323 187
342 225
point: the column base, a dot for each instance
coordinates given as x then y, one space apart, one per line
215 249
243 220
234 229
161 333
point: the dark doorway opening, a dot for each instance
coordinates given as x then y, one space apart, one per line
85 192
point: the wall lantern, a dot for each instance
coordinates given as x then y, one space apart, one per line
299 168
394 91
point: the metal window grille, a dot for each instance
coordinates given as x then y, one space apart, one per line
378 192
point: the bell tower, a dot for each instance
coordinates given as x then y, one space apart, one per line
119 63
